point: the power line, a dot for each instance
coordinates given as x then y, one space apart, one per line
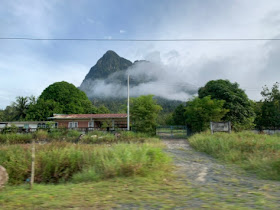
143 40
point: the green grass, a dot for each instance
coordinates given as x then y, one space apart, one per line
62 161
157 191
94 137
259 154
12 138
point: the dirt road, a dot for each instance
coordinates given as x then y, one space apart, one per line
221 184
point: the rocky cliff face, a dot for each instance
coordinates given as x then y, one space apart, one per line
110 63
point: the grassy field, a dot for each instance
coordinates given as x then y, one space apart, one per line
61 161
259 154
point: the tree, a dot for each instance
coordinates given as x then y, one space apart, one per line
241 113
268 115
144 113
43 109
178 115
21 107
201 111
9 113
70 99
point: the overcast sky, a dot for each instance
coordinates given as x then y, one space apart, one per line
28 67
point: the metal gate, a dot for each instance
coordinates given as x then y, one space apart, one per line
177 131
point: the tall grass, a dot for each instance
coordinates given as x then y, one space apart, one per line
61 161
15 138
94 137
256 153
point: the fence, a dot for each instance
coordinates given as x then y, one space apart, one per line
177 131
82 129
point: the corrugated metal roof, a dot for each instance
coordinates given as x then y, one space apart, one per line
87 116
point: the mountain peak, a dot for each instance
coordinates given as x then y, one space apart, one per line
109 63
111 53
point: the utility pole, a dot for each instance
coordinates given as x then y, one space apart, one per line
128 128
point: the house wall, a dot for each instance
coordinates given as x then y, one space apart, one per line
97 123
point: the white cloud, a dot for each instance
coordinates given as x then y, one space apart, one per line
29 67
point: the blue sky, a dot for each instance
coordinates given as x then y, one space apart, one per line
27 67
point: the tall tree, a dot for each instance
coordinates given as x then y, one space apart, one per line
241 112
144 113
201 111
21 107
71 100
269 113
178 115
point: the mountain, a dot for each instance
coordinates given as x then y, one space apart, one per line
106 82
110 63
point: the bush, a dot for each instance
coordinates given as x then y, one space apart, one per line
15 138
254 152
60 161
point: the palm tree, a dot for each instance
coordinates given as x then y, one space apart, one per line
21 106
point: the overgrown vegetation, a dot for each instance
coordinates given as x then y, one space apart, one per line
66 135
259 154
144 113
241 112
199 112
61 161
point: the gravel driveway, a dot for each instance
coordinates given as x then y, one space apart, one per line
226 183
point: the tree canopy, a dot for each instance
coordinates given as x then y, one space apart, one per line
178 115
241 113
268 110
144 113
201 111
70 99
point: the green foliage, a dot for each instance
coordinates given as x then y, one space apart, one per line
9 114
200 111
64 98
40 135
21 107
70 99
268 111
15 138
257 153
123 160
2 115
58 162
241 113
144 113
118 105
10 129
178 115
43 109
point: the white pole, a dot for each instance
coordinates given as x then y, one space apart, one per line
128 102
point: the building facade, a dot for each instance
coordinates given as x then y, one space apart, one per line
91 121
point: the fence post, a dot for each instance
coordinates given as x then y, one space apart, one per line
32 164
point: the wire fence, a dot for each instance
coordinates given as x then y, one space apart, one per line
177 131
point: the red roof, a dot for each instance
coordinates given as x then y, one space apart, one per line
87 116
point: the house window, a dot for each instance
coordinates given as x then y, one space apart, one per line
73 125
91 124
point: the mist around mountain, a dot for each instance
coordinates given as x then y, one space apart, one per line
106 82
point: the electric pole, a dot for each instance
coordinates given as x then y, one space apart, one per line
128 127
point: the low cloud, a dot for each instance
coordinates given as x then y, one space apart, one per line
145 78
